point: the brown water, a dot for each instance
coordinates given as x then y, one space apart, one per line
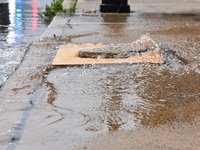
67 106
104 98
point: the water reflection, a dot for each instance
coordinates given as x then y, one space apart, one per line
114 24
15 16
20 24
15 8
114 106
117 89
35 15
115 18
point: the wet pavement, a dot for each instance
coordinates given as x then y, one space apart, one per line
20 23
118 106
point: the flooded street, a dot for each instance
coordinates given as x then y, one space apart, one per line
107 106
20 24
125 97
84 102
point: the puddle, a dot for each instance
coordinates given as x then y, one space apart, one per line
125 97
78 103
106 98
121 97
172 96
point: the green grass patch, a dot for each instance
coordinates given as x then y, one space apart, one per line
51 11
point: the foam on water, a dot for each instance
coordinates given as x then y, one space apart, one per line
10 59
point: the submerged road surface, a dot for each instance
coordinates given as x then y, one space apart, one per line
20 24
121 106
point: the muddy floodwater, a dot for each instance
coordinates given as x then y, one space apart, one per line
123 97
67 106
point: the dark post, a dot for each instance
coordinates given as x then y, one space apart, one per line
114 6
4 14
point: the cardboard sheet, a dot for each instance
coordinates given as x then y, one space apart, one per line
66 55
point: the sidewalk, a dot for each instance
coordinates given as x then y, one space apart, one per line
47 108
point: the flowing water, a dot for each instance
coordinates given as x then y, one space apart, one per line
20 24
97 99
73 104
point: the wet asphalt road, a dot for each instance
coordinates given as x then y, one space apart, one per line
122 106
20 23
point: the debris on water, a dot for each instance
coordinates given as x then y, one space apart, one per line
121 50
143 44
170 56
67 55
